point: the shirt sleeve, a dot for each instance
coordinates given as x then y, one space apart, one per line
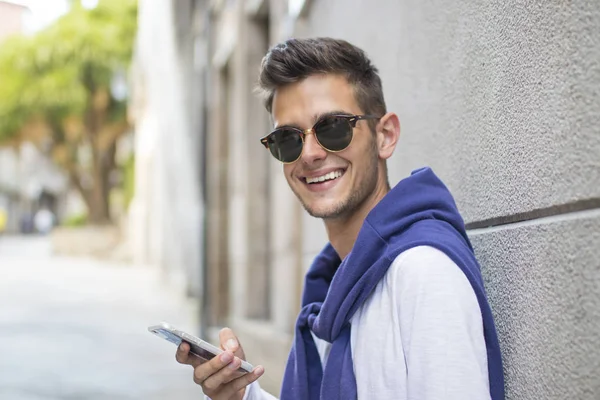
441 328
254 392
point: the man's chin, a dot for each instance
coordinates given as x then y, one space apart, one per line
324 212
325 207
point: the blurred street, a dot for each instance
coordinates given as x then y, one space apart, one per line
76 328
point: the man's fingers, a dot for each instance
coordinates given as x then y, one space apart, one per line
183 353
221 374
183 356
207 369
238 384
216 381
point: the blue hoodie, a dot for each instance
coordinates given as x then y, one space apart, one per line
418 211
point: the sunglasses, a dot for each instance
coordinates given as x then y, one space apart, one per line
334 133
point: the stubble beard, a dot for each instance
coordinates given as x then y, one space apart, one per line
346 207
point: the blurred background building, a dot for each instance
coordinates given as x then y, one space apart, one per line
28 179
13 18
500 99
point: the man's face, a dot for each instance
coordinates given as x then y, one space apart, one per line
301 104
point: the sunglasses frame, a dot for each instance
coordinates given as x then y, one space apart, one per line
350 118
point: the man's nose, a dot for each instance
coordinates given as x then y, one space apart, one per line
312 150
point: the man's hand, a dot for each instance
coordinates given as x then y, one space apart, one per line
219 377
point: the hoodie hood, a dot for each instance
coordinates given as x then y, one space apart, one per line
419 197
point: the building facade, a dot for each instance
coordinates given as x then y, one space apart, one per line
500 99
12 19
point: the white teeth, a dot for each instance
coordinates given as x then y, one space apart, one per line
326 177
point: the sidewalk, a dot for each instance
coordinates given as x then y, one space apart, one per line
76 329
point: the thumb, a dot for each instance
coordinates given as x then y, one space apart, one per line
230 342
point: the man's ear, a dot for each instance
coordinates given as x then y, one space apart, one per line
388 133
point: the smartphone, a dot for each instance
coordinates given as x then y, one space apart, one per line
198 347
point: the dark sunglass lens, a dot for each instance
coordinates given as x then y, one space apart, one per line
334 134
285 145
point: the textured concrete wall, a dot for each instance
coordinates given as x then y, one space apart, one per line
502 99
543 279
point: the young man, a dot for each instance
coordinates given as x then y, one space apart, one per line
394 306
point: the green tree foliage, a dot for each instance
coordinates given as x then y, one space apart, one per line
57 90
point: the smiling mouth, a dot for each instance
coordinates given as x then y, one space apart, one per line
324 178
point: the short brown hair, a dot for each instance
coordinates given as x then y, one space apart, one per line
296 59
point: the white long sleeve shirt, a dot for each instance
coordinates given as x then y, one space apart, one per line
419 336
